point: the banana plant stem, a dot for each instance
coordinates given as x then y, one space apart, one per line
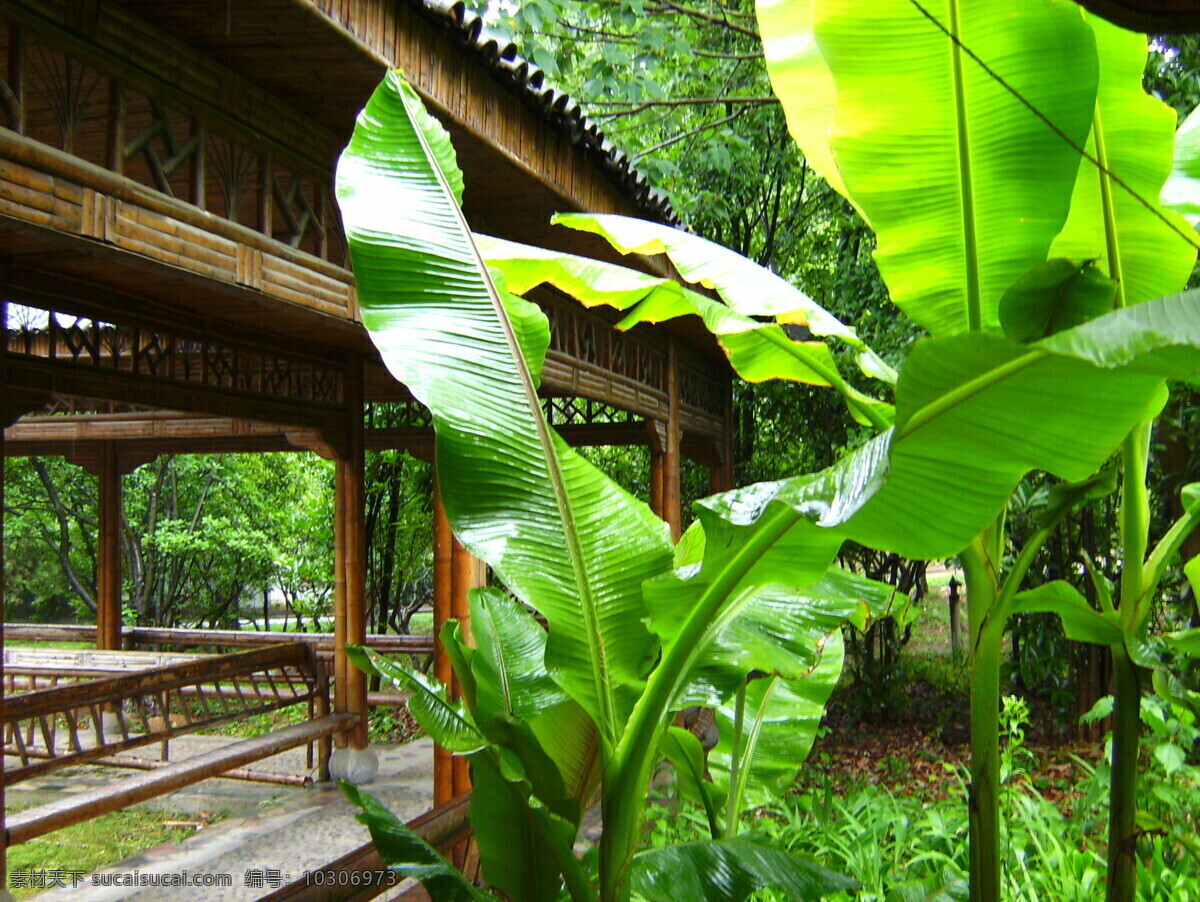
984 803
732 812
1127 690
1122 829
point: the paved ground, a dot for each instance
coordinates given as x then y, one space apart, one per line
273 833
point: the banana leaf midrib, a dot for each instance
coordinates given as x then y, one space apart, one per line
966 186
557 483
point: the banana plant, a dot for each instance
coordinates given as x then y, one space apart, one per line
974 413
548 716
950 148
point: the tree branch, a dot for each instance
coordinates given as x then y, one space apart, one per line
682 135
703 17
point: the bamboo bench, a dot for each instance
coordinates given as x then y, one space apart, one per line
104 717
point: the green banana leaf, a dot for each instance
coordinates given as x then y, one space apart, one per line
525 846
757 350
461 655
745 287
556 532
572 741
1081 622
1181 193
728 871
1057 295
800 77
686 754
780 724
447 722
1186 641
1192 571
1133 134
509 662
408 854
508 665
964 187
771 628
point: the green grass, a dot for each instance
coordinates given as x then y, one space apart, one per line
421 624
93 844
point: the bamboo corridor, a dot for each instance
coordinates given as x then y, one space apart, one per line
175 281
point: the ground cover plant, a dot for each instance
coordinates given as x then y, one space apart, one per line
1046 286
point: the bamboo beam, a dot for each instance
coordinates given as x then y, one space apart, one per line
444 827
108 551
34 822
322 643
443 579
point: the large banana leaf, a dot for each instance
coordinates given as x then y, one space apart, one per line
779 727
746 288
974 414
509 663
524 824
1181 193
561 536
448 722
510 671
800 77
1132 136
773 628
964 186
757 350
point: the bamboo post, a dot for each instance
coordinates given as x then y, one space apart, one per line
670 479
4 389
468 573
351 512
656 482
340 692
108 552
443 578
656 439
728 476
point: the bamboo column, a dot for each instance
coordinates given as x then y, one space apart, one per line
443 585
468 573
350 587
108 551
656 432
4 391
671 502
455 572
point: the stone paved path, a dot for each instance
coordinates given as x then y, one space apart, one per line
273 833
